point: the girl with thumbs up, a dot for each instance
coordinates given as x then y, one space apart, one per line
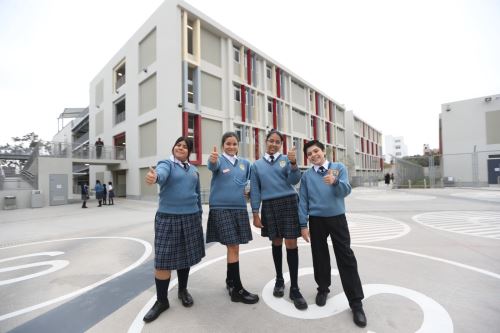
272 180
178 230
228 221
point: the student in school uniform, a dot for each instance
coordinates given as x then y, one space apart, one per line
322 191
228 221
99 192
178 230
111 194
272 179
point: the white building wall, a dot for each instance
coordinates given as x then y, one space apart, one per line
463 132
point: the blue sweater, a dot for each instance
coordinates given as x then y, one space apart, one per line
272 180
320 199
179 188
227 189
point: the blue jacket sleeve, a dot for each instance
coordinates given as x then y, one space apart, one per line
255 189
198 191
213 166
294 175
303 203
162 171
342 186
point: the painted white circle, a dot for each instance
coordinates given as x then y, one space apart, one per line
395 197
147 252
366 228
481 195
138 324
474 223
436 318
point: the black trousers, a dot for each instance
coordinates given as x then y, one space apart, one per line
335 227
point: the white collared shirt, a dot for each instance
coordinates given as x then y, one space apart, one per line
173 159
268 157
325 165
233 159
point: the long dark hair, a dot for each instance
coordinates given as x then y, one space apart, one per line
273 131
189 144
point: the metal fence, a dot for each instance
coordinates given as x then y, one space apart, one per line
476 169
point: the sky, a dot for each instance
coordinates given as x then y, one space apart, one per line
393 62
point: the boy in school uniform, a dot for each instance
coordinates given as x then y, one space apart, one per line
322 191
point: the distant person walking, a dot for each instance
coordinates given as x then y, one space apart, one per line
392 178
98 147
99 192
85 194
111 194
387 179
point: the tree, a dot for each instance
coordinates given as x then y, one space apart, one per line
21 145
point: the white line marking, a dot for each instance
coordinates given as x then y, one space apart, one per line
145 255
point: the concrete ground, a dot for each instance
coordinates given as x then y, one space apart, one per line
429 261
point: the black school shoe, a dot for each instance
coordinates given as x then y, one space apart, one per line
359 317
243 296
185 297
299 301
156 310
279 288
321 298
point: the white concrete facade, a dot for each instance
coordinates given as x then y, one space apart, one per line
470 140
394 146
204 81
364 146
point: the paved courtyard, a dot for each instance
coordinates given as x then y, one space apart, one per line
429 261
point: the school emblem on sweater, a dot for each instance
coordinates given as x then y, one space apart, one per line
242 167
335 172
282 163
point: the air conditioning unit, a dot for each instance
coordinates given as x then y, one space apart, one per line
487 99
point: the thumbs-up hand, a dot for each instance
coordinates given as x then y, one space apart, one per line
151 176
292 155
329 179
214 155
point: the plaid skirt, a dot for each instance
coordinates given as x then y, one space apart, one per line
280 218
228 226
178 241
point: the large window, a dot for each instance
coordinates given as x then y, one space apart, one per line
119 75
190 92
190 39
192 129
236 54
119 114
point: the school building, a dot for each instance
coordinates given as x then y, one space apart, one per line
182 73
469 141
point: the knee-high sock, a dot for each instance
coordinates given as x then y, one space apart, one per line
162 289
292 256
182 276
278 260
234 274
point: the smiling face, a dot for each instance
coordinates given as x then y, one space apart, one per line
315 155
273 144
181 151
230 146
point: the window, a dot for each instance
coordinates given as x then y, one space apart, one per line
119 75
237 93
269 105
398 154
398 147
192 129
190 92
119 111
190 33
236 54
268 72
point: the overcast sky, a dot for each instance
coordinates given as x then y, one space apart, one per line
392 62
